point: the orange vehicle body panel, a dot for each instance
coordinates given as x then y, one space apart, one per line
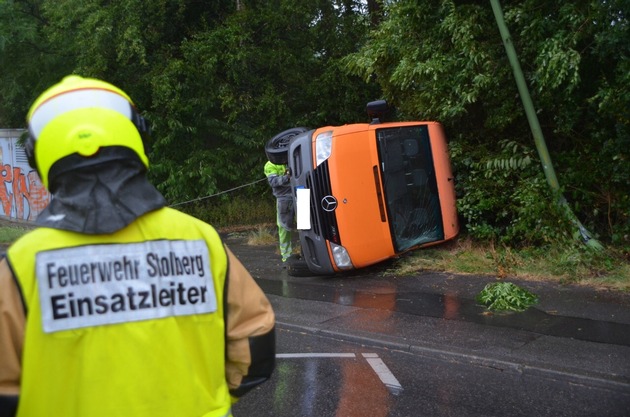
445 181
366 237
363 233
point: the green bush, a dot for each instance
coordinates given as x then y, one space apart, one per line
503 196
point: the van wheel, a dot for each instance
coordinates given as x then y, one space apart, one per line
277 148
297 267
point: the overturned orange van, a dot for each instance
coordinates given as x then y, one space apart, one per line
367 192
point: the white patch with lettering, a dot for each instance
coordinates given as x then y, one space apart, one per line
106 284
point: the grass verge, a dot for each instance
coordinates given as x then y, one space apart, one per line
9 233
575 265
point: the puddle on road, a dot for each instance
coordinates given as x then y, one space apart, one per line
452 307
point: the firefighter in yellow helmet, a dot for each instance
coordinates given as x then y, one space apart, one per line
118 305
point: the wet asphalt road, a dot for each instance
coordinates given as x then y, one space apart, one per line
345 384
568 356
373 344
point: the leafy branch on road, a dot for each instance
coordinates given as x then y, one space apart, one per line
505 296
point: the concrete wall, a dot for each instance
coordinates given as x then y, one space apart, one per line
22 194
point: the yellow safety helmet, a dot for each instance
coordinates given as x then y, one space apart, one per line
80 116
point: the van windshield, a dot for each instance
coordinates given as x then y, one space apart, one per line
413 204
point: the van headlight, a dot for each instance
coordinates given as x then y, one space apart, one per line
341 257
323 145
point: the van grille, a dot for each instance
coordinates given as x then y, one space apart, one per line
324 222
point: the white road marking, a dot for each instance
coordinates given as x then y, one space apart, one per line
315 355
383 372
378 366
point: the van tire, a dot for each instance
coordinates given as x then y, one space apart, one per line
297 267
277 148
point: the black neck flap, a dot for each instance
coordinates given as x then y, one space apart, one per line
101 199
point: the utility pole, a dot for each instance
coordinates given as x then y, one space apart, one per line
534 125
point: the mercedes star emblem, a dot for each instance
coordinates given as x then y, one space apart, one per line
329 203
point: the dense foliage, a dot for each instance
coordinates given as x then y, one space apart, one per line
216 79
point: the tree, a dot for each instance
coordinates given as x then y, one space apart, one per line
448 63
28 61
215 79
268 67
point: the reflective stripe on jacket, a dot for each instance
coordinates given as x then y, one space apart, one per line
126 324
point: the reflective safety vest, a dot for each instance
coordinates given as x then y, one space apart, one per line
276 177
126 324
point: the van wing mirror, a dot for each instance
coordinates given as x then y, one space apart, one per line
376 110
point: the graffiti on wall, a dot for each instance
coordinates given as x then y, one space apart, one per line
22 194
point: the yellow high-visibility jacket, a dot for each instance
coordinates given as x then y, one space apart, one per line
155 319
